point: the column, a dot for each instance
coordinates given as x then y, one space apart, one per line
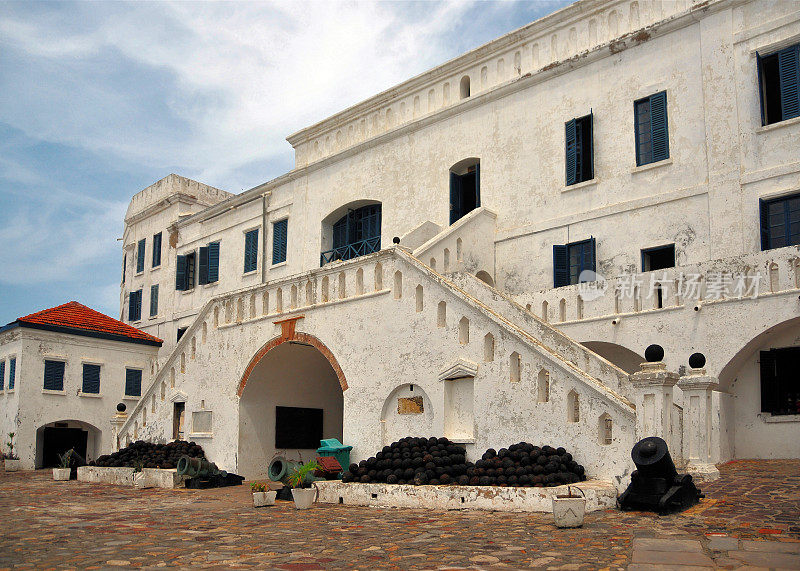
697 387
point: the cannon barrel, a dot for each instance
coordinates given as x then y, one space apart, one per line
652 458
280 469
198 468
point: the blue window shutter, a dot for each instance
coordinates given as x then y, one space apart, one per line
660 132
180 273
789 69
157 250
2 375
153 300
54 375
590 136
251 250
140 256
12 371
91 379
203 265
139 305
279 237
133 382
455 197
591 263
763 211
477 185
132 306
759 65
124 266
560 266
571 153
213 262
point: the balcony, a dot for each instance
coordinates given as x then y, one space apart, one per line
350 251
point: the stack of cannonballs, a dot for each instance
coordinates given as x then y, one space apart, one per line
417 461
438 461
150 455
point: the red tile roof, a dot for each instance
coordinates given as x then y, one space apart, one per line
76 318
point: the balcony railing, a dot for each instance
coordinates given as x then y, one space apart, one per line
350 251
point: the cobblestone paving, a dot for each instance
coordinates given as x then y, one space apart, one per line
751 511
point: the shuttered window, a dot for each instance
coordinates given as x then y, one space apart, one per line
135 306
54 375
91 379
140 256
2 375
124 266
12 372
157 250
133 382
780 222
184 272
779 85
579 150
208 264
153 300
780 384
279 237
652 133
569 260
251 251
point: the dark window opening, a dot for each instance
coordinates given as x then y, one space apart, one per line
56 440
579 149
652 135
91 379
780 222
658 258
135 305
157 250
181 331
571 260
133 382
355 234
280 231
208 264
299 428
153 300
465 192
251 251
54 375
779 79
140 256
178 414
780 383
184 272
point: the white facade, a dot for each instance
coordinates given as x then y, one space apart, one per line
28 409
496 366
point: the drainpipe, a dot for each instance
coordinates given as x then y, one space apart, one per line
264 237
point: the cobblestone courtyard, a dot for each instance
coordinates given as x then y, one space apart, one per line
749 517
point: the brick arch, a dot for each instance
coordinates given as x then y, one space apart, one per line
306 338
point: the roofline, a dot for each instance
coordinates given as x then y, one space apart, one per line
81 332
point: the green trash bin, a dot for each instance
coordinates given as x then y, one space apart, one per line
332 447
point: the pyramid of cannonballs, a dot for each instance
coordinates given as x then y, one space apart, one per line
151 455
438 461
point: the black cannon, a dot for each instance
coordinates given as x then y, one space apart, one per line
204 474
655 484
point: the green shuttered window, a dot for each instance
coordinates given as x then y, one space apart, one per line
2 375
54 375
135 306
569 260
140 256
579 150
251 251
91 379
153 300
157 250
208 264
780 222
279 236
12 372
133 382
779 85
652 132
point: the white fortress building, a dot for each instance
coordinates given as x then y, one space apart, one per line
614 175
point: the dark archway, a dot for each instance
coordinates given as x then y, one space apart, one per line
465 188
55 438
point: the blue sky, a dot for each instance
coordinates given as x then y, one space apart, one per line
99 100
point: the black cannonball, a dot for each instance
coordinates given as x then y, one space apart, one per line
654 353
421 479
697 360
121 407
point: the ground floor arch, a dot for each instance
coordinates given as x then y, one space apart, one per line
291 396
56 438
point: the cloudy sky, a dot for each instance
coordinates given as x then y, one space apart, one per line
100 99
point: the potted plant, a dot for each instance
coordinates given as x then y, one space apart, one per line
138 474
62 473
262 495
11 462
301 481
569 509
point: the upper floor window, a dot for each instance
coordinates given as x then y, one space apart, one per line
652 133
778 81
251 250
780 384
180 332
133 382
153 300
209 264
184 272
124 266
355 234
658 258
465 188
280 231
135 306
570 260
12 372
91 379
157 250
780 222
579 148
2 375
140 255
54 375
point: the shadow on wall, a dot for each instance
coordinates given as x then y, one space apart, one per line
627 360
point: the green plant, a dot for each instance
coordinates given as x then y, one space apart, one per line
138 464
10 444
258 487
64 459
297 479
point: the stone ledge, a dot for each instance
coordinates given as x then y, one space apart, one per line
154 477
600 495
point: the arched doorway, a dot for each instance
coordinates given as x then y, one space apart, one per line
290 400
465 188
351 231
55 438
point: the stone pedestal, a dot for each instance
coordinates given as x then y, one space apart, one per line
697 387
653 399
116 425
